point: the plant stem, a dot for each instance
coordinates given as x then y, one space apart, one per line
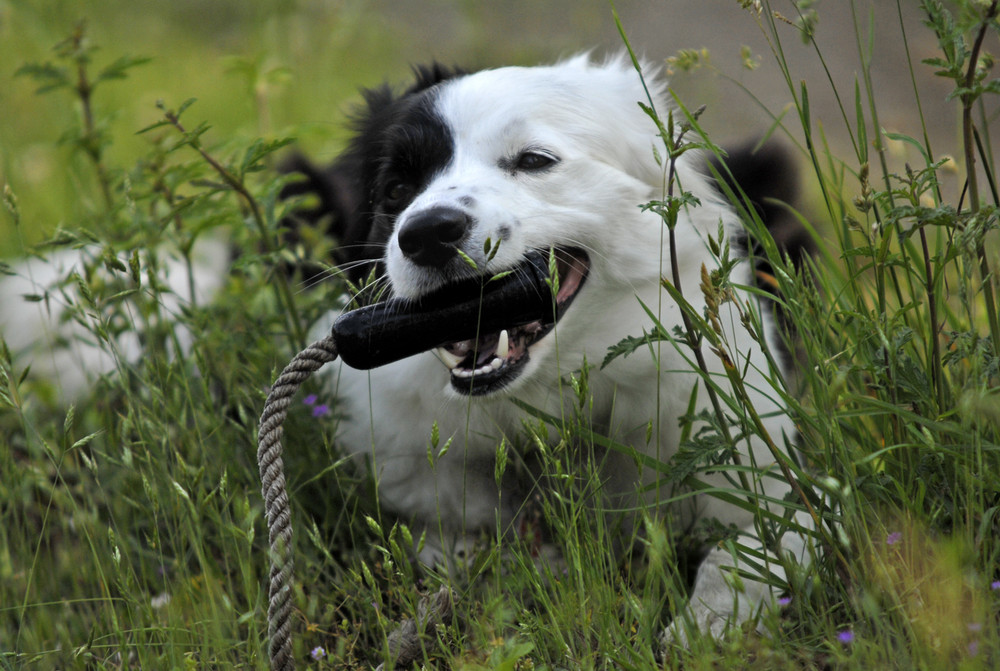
281 286
968 139
90 141
937 376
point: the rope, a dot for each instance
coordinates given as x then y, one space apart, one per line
276 509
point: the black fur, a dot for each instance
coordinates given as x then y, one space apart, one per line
350 189
768 178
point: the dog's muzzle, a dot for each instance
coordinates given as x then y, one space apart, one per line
481 328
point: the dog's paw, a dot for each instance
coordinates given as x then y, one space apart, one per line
719 601
697 620
455 551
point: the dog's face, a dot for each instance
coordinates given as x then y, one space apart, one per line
468 174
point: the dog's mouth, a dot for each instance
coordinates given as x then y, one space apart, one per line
482 329
491 361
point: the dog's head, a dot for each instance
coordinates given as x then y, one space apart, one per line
467 175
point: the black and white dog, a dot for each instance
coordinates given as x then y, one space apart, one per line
467 174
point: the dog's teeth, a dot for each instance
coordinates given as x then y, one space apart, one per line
497 362
450 360
503 345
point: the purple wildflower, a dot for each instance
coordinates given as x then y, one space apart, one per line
975 626
995 585
973 648
317 653
894 538
846 637
310 399
320 410
784 601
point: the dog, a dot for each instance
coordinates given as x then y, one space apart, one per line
465 175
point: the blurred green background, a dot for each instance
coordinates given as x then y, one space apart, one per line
292 68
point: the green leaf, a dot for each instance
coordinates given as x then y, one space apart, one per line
630 344
500 275
120 67
184 105
259 150
113 263
375 527
154 126
85 440
50 77
135 267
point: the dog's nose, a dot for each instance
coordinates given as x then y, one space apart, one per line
431 237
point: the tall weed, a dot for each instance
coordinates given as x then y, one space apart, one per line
131 526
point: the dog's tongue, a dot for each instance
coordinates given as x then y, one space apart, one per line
378 334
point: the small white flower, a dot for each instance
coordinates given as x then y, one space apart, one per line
160 600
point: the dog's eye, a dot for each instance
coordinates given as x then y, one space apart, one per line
533 161
396 192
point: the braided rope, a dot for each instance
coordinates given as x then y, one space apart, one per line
276 509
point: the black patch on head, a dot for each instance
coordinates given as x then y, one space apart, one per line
399 144
412 146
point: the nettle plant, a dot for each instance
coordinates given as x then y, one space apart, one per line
899 344
178 194
897 387
138 501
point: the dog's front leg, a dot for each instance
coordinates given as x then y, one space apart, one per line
450 502
721 597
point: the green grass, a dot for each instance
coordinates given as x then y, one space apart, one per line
253 69
131 526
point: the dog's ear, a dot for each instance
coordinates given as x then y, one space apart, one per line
768 176
337 197
333 209
426 76
342 190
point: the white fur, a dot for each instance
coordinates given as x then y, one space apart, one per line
53 335
588 115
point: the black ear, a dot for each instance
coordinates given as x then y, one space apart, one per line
426 76
334 209
342 190
768 176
